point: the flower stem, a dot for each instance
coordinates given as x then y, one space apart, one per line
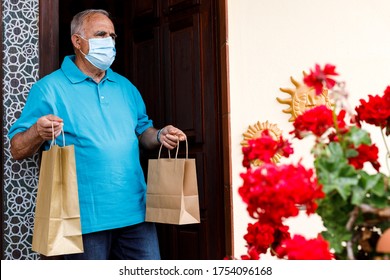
350 254
388 151
336 126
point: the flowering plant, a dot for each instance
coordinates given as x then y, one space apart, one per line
353 204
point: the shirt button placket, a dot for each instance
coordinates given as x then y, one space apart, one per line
101 95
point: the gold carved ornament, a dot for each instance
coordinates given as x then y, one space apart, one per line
254 131
302 99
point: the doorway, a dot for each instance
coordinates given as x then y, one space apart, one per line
170 50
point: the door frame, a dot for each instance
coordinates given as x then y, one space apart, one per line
223 44
49 46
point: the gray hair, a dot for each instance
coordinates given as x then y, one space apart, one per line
76 26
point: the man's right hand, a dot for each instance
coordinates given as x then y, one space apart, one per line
27 143
47 124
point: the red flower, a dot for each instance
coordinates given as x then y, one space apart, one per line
259 236
252 254
281 234
320 77
342 126
298 248
273 192
366 153
317 120
265 148
376 110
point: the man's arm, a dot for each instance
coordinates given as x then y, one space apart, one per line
168 136
27 143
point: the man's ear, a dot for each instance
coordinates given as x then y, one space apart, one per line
76 41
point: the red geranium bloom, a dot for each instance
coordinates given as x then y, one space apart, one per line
281 233
367 153
320 77
376 110
273 192
316 120
342 126
265 148
259 236
298 248
252 254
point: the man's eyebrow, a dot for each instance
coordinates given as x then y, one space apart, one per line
104 33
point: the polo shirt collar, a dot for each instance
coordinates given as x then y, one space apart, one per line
75 75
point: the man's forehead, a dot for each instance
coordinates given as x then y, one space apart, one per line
98 23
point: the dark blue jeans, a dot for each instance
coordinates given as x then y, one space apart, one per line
137 242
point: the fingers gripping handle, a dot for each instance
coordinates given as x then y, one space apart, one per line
177 150
53 139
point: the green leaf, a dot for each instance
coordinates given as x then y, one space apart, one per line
379 202
358 195
375 183
368 188
336 240
336 175
358 136
336 152
349 153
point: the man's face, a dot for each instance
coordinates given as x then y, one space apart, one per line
97 26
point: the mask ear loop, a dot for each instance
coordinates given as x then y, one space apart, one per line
80 46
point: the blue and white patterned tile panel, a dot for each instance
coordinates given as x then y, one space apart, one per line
20 71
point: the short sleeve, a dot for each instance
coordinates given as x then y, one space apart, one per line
143 121
37 105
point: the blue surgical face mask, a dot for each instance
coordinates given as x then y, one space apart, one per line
101 52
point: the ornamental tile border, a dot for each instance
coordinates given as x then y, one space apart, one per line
20 71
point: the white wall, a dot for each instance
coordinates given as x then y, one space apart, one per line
269 41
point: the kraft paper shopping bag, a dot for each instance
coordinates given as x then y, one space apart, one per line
172 190
57 228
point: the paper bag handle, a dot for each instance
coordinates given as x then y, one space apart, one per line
53 140
177 150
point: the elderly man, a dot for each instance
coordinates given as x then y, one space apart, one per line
104 117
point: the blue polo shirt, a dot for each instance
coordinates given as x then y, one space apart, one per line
103 122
